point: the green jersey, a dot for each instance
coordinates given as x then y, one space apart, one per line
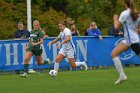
35 36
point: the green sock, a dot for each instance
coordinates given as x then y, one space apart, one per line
26 68
45 61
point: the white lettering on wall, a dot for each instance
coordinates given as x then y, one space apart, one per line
80 47
23 51
9 54
44 55
53 48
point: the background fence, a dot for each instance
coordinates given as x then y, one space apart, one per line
90 49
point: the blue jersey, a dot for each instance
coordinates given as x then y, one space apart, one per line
94 32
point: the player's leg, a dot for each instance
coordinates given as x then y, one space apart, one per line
121 47
26 61
59 58
61 55
39 59
70 55
74 64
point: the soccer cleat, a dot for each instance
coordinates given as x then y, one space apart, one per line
85 65
49 62
121 79
24 75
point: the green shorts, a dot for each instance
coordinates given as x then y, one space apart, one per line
36 52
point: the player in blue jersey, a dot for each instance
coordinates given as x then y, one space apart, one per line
68 48
130 19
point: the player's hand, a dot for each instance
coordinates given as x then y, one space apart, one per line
49 43
34 44
120 33
59 44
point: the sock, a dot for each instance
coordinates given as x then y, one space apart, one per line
45 61
79 64
26 68
56 66
118 66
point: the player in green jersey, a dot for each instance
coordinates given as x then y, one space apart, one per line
34 48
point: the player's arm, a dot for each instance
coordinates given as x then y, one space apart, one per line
116 22
38 43
54 41
65 41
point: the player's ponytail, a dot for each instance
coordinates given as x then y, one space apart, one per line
133 13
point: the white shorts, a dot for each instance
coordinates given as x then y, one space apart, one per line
69 53
124 41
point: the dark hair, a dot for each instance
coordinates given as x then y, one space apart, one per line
133 13
63 23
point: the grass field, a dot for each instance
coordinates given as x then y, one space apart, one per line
91 81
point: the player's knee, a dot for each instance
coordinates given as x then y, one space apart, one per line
113 55
57 60
26 60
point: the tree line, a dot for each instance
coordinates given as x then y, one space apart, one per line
50 12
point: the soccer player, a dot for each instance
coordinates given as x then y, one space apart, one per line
34 47
67 49
130 20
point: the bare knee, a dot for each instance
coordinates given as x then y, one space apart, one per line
57 60
26 60
113 55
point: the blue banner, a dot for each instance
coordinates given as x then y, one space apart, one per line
90 49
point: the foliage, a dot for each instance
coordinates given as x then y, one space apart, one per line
50 12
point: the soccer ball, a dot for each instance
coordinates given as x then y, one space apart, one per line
53 73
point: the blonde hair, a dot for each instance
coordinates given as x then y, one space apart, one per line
37 21
93 23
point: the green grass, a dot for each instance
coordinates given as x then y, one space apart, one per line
91 81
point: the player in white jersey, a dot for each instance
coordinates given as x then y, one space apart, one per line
67 49
130 20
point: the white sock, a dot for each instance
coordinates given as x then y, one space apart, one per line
56 66
79 64
118 66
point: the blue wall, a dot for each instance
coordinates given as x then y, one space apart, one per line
94 51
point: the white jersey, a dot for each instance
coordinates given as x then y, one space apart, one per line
62 35
130 34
